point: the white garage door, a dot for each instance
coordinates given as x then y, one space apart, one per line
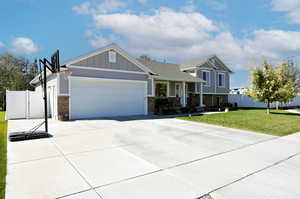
92 98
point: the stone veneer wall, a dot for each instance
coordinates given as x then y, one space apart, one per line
63 108
211 100
151 105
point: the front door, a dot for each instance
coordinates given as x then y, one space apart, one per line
178 92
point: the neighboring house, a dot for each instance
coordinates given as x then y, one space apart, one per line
109 82
239 91
216 75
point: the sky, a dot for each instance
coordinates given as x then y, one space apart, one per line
241 33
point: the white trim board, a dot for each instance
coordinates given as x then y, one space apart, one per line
104 79
106 69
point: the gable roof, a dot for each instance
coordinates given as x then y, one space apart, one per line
201 61
111 46
168 71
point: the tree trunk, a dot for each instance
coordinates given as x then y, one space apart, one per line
268 107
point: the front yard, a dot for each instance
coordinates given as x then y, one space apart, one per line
278 123
3 129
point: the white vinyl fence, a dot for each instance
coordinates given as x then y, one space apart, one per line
245 101
24 104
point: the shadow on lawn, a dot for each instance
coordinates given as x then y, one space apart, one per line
280 113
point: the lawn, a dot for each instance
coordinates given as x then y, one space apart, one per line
277 123
3 128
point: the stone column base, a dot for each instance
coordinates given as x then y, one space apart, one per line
63 108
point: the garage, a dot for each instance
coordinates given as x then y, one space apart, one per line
97 97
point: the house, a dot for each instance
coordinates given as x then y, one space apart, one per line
109 82
238 91
216 75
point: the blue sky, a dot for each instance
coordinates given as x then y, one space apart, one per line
241 33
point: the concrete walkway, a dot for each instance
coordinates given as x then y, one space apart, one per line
134 158
294 111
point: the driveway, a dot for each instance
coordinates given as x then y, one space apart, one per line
134 158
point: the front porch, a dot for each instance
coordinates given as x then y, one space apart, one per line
173 97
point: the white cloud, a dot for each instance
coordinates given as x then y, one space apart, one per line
181 35
1 44
24 45
189 7
110 5
100 41
274 43
83 9
291 7
165 25
86 8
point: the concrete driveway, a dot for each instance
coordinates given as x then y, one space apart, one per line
134 158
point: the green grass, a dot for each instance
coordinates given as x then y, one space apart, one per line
3 130
278 122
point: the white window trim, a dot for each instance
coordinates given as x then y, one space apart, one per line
162 82
112 56
207 83
224 82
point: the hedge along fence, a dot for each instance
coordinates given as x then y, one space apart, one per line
244 101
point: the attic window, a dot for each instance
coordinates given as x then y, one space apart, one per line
112 56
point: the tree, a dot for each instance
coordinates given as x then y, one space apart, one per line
145 57
288 76
15 74
274 83
265 84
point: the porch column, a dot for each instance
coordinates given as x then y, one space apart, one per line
184 94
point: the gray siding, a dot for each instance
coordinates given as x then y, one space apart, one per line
101 61
63 83
227 85
172 89
108 74
149 87
213 87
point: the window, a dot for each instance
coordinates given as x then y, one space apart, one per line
206 77
221 79
161 89
112 56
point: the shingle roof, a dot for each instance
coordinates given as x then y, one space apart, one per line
201 61
194 62
168 71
